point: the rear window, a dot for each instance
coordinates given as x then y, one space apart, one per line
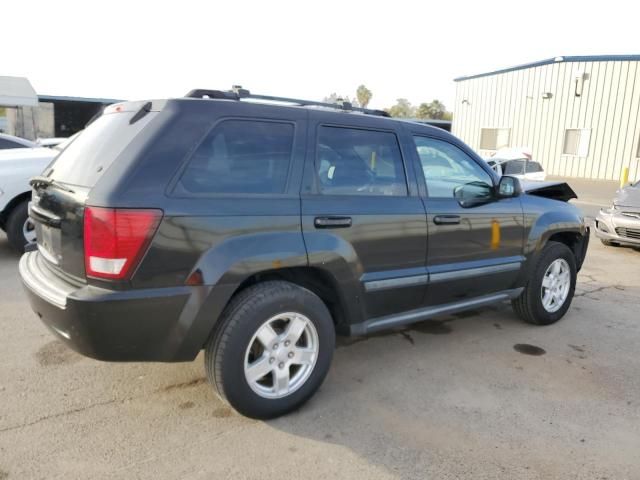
240 156
534 167
84 160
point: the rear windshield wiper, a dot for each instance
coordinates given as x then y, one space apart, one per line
40 181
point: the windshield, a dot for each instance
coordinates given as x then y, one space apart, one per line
83 158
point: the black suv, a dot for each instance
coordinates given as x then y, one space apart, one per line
256 231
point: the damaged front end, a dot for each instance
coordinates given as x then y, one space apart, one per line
553 190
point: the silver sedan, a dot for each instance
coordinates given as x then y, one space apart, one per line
620 224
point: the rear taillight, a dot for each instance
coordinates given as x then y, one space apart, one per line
115 239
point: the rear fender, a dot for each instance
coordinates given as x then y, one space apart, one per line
337 257
222 269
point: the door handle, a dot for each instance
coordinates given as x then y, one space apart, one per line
446 219
332 222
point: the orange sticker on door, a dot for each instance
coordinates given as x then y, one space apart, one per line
495 234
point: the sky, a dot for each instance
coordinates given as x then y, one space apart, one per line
156 49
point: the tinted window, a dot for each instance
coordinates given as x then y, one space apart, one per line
86 157
513 167
359 162
4 144
446 168
533 167
241 156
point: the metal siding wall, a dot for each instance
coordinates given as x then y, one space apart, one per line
603 122
551 132
616 147
597 128
633 131
569 161
572 162
588 99
609 106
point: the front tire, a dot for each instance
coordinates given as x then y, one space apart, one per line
20 230
549 291
271 350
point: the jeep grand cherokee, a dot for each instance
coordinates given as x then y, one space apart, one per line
256 231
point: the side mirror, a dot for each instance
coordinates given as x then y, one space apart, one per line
509 187
473 193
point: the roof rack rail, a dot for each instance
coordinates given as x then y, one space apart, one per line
238 93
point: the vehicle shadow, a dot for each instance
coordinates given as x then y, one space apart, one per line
450 394
401 399
478 391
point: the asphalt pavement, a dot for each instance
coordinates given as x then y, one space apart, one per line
478 395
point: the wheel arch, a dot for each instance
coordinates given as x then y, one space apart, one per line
576 241
321 282
563 225
8 208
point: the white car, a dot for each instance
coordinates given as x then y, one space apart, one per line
8 142
50 142
17 165
517 162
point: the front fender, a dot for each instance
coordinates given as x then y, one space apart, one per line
545 218
550 223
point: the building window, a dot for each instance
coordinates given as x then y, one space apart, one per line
494 138
576 142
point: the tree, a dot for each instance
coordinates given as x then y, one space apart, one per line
364 96
434 110
402 109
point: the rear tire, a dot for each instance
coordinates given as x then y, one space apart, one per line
18 226
536 303
241 343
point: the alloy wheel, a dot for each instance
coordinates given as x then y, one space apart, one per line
281 355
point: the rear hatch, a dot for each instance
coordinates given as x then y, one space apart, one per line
60 193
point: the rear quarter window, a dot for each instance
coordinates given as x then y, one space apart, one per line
240 156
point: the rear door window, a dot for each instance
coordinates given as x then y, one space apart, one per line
359 162
241 156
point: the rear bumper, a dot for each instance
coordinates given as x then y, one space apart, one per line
618 228
135 325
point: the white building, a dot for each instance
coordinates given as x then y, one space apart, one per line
579 115
29 115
